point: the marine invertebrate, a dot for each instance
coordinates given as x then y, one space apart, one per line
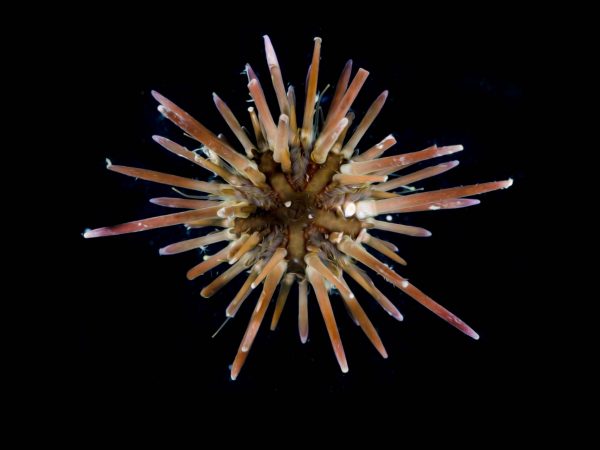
298 205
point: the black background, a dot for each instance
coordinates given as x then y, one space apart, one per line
136 325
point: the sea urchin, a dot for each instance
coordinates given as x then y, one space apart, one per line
298 206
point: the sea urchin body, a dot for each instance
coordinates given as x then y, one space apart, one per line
297 206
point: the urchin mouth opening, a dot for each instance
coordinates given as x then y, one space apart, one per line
299 209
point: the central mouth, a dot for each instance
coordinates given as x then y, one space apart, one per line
302 212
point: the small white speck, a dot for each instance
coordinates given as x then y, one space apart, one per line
288 204
310 216
405 284
434 207
139 224
388 218
108 163
349 209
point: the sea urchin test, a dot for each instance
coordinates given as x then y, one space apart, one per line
297 203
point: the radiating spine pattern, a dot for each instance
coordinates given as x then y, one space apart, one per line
298 203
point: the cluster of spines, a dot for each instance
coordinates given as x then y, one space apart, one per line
342 193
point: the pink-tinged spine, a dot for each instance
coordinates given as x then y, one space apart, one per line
365 123
209 263
234 125
377 150
367 284
303 310
390 164
323 144
171 180
307 133
340 89
276 76
399 228
453 203
199 132
370 208
316 281
284 292
257 318
264 114
191 244
183 203
151 223
416 176
357 252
